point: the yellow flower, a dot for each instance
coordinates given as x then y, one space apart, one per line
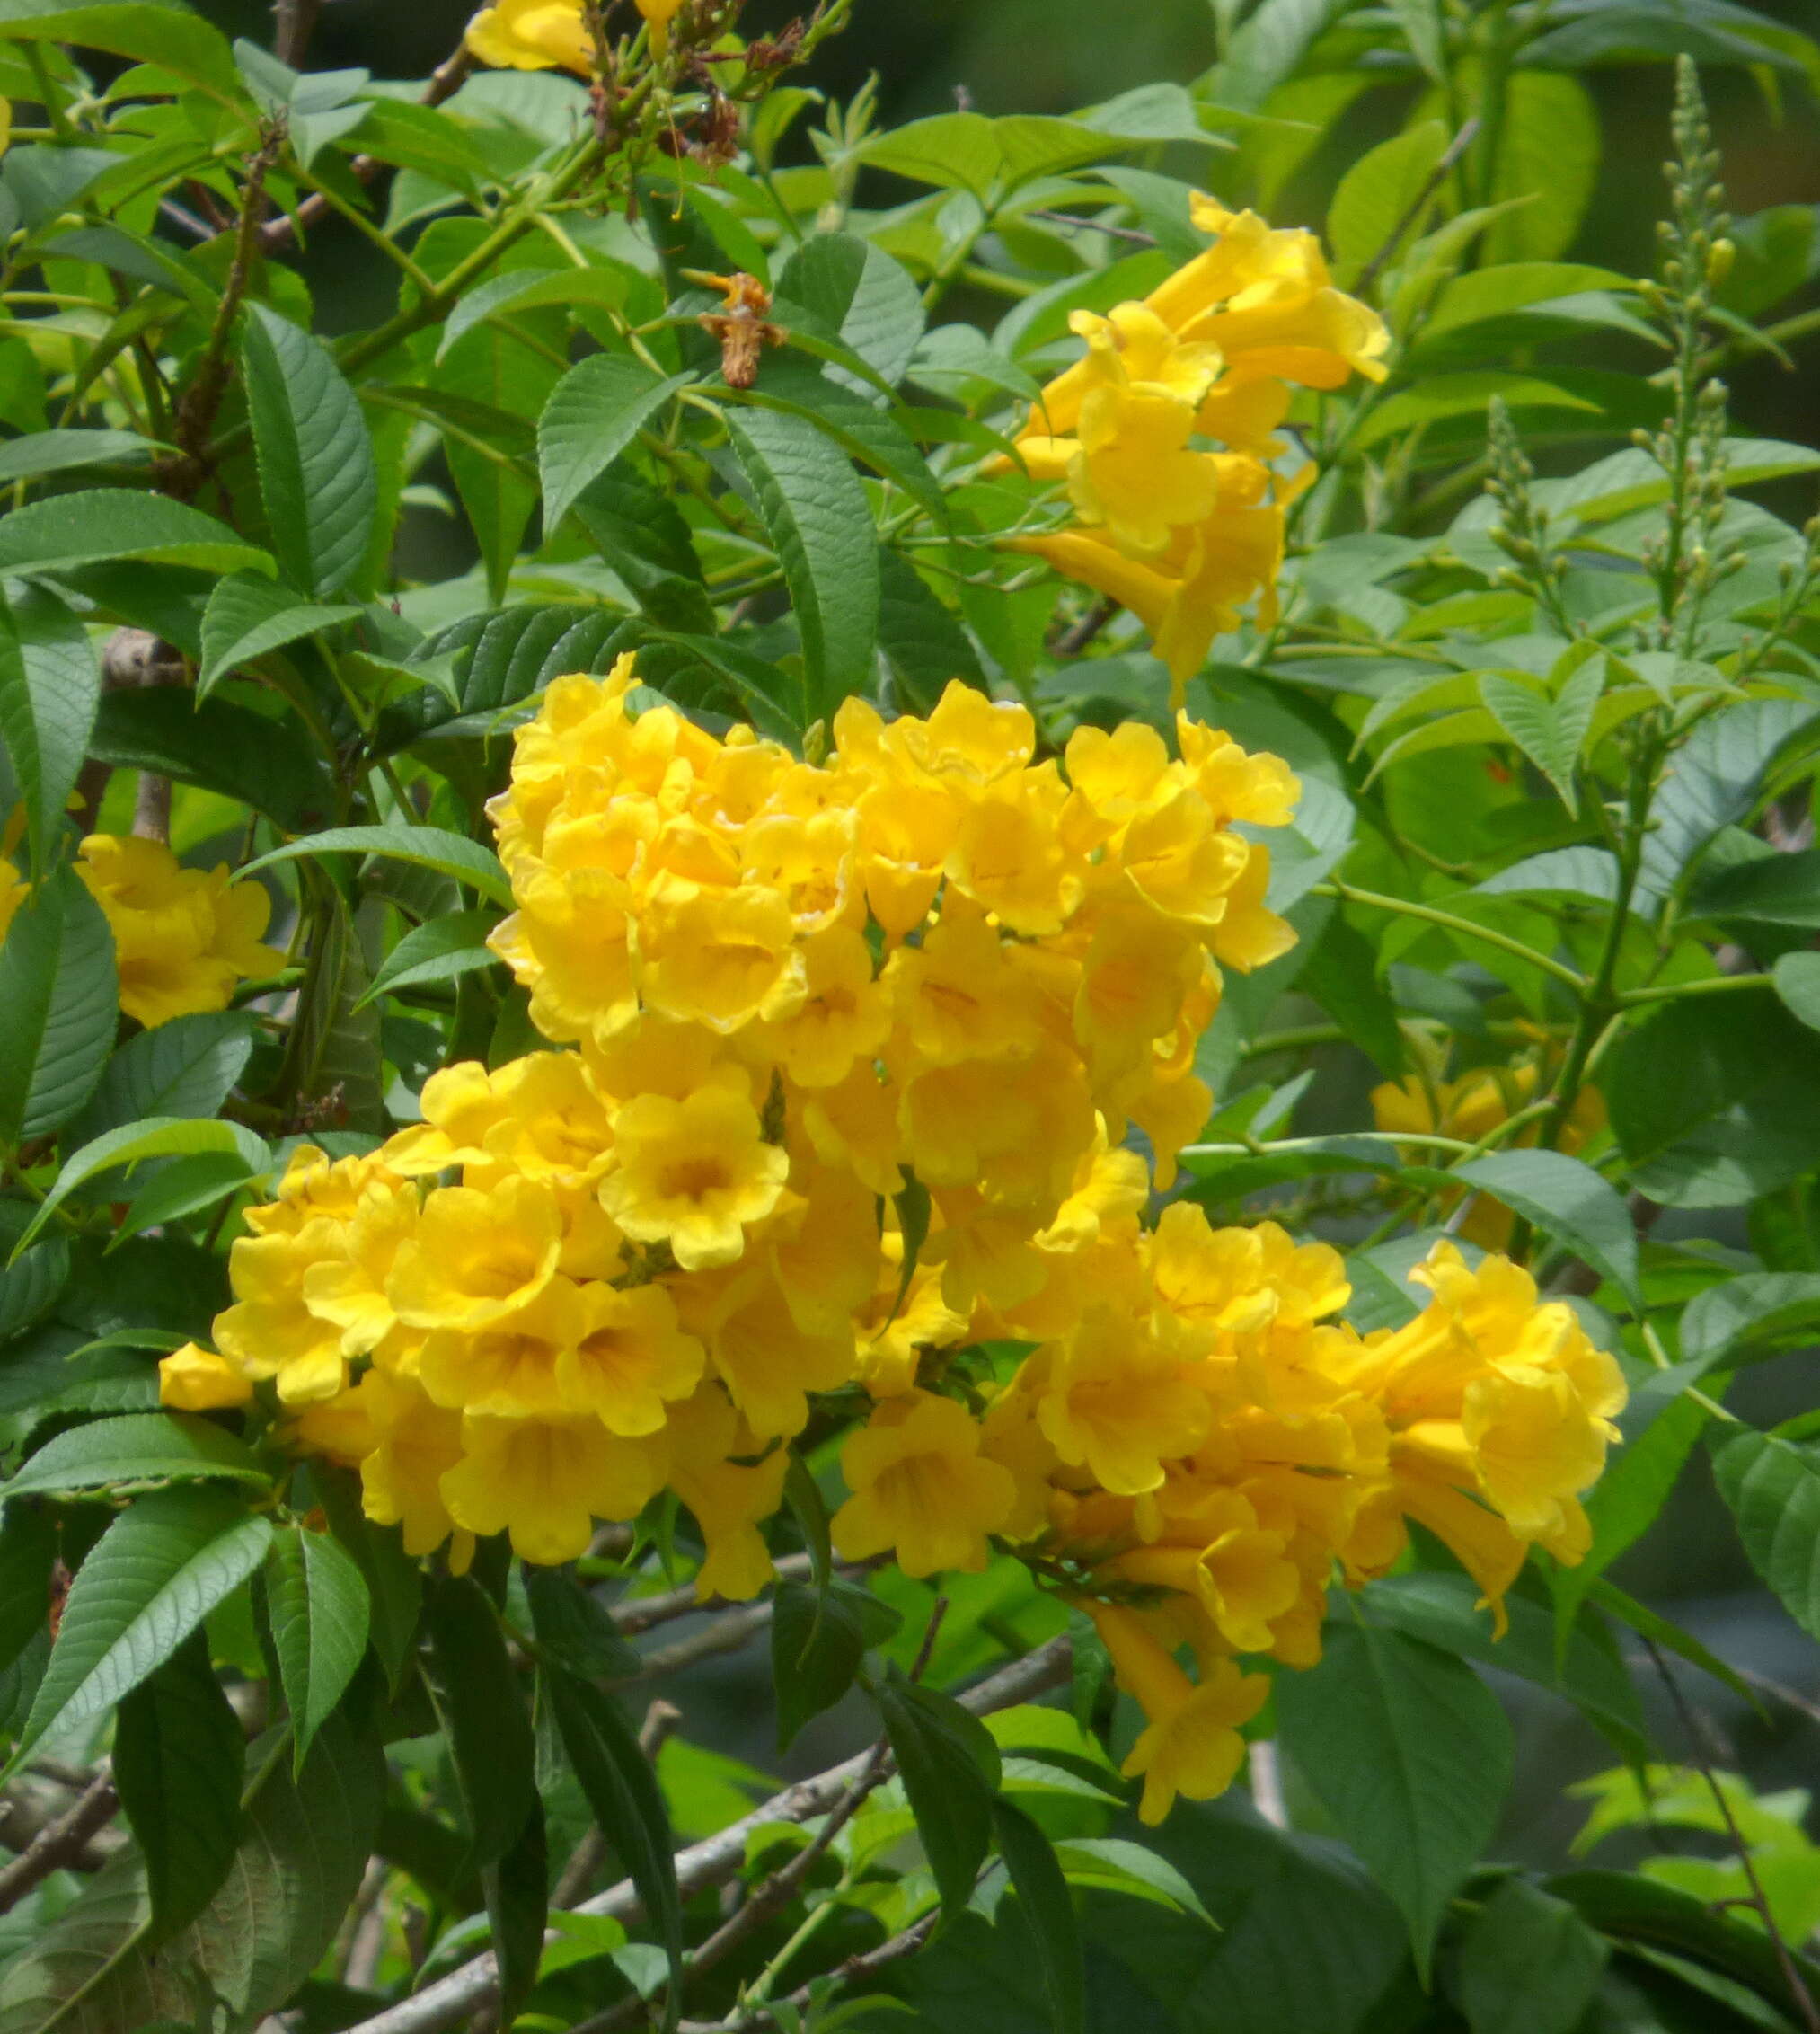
14 892
271 1332
1192 1745
532 35
401 1480
350 1291
196 1380
1240 1577
1130 470
724 959
1118 1405
546 1481
845 1018
890 1338
920 1487
731 1497
509 1366
660 13
477 1257
693 1174
958 996
181 938
767 1362
628 1358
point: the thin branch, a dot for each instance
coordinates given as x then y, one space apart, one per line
297 24
1132 234
639 1614
727 1635
1456 148
849 1973
1791 1977
61 1843
718 1858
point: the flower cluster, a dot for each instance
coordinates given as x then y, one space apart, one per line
182 937
1178 532
838 1123
544 35
931 974
1207 1447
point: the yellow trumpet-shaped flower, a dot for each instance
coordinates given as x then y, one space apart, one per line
1191 1743
476 1258
921 1488
532 35
193 1379
694 1175
628 1359
546 1481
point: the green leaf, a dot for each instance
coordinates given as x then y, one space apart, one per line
316 470
1410 1754
858 292
320 1616
989 157
154 1576
1651 1624
1768 889
530 289
1528 1964
923 642
60 451
1567 1200
949 1766
437 950
70 530
816 512
481 1704
641 533
1042 1891
186 1067
817 1641
426 847
1266 49
60 991
1715 1106
593 414
180 1188
1773 1488
517 1896
1797 983
28 1555
180 1759
1714 779
1548 153
50 686
164 32
1421 21
1340 973
859 428
159 1137
1551 733
622 1790
216 747
1760 1310
31 1283
339 1051
1438 397
574 1629
248 616
394 1581
1377 197
137 1449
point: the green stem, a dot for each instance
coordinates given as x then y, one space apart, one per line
1710 985
1465 927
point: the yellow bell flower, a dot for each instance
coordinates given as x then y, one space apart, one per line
477 1257
182 939
532 35
628 1359
350 1291
193 1379
1130 468
401 1480
731 1497
509 1366
270 1330
1118 1405
846 1016
724 959
768 1362
694 1175
1191 1743
920 1487
546 1481
660 13
1239 1576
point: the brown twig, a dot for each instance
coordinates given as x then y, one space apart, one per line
640 1614
1072 640
1133 233
726 1634
201 401
296 23
1791 1977
61 1843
